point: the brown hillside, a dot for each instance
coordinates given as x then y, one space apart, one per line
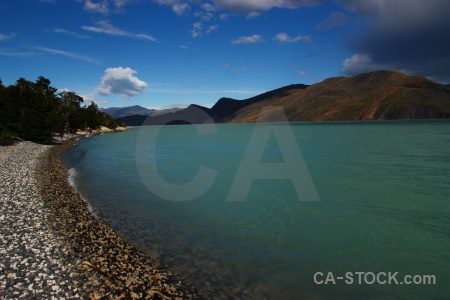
378 95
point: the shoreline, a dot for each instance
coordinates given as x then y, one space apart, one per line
102 130
87 258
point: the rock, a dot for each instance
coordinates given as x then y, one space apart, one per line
47 233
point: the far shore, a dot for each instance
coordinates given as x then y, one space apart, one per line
103 129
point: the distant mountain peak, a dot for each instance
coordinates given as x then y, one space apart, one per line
378 76
121 112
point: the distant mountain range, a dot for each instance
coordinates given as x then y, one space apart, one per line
136 115
378 95
121 112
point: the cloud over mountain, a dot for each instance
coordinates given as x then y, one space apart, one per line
121 81
408 35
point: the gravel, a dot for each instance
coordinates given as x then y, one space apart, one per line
32 264
52 248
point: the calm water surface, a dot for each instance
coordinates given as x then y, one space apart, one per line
384 206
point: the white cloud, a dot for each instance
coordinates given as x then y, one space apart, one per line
359 63
4 37
13 53
285 38
92 98
208 7
300 71
71 33
262 5
212 28
121 81
253 14
107 28
68 54
103 6
121 3
253 39
99 7
239 69
204 16
335 19
63 90
179 7
197 29
250 7
143 36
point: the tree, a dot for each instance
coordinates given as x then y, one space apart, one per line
2 109
35 111
39 114
93 116
69 108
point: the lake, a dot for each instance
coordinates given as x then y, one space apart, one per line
250 211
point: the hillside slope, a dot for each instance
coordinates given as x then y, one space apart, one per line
226 108
221 112
378 95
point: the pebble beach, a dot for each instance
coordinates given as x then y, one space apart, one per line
51 247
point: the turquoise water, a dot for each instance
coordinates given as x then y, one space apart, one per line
384 204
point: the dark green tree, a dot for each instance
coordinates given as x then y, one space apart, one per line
35 111
3 112
9 111
93 116
69 107
39 115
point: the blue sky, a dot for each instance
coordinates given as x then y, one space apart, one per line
157 53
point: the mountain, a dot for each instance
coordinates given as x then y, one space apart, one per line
226 108
134 120
378 95
222 111
121 112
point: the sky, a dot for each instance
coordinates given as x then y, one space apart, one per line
163 53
